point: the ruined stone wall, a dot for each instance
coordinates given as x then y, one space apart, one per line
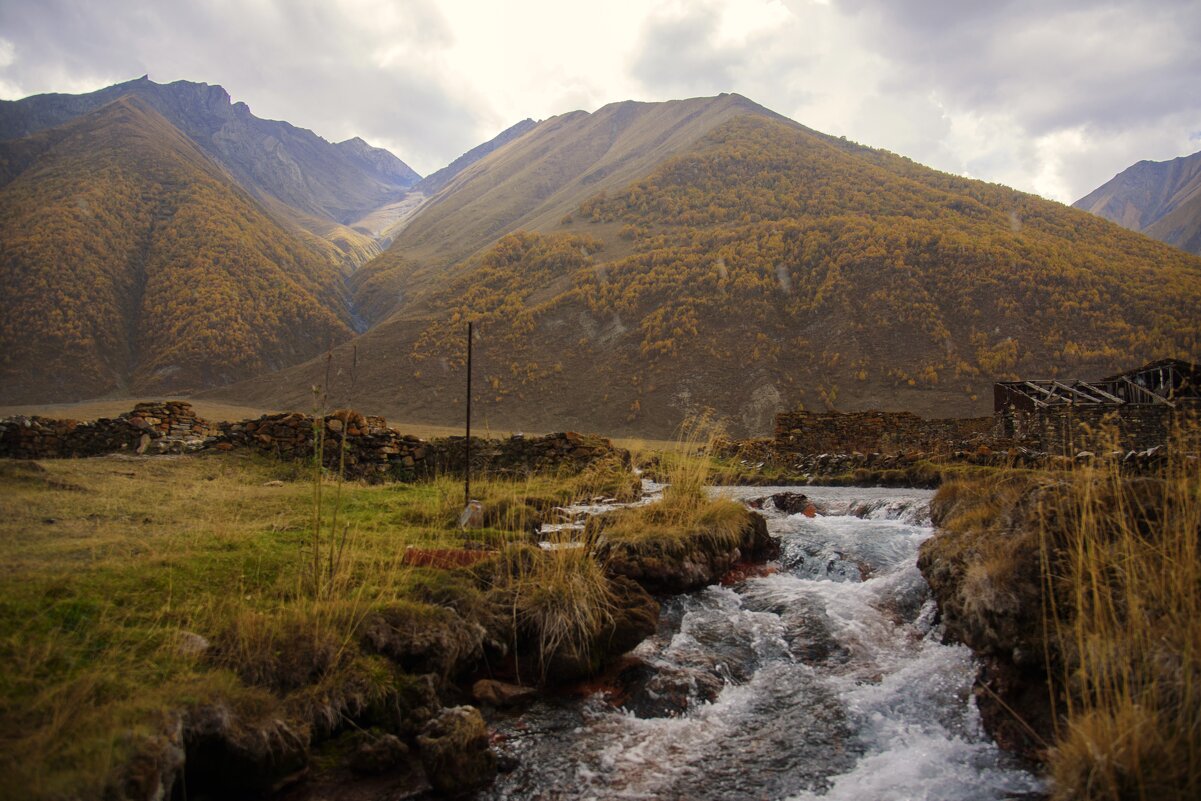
364 446
170 427
1068 429
876 432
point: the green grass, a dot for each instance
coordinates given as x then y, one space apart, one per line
111 564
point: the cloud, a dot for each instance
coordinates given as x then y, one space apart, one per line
680 52
1053 96
1072 91
370 69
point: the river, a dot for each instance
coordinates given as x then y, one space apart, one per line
824 679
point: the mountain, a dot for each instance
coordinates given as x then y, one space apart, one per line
435 181
130 261
298 176
629 267
1162 199
385 222
532 184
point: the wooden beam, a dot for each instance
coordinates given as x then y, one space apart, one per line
1154 398
1078 392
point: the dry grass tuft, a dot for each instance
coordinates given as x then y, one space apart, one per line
1122 555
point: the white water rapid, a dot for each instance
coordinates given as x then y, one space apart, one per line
824 679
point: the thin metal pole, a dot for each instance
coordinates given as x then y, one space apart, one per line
467 460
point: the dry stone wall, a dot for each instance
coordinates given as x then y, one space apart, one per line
364 446
1071 428
169 427
876 432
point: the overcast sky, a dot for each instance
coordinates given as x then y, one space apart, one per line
1050 96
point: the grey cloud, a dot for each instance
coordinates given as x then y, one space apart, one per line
310 63
678 54
1051 65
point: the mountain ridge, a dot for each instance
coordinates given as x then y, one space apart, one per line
1159 198
133 262
531 183
339 182
726 258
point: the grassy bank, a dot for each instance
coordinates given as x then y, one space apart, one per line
139 588
1081 589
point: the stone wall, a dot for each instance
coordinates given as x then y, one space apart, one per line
170 427
364 446
876 432
1069 428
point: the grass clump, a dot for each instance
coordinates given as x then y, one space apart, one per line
1122 556
558 602
1087 582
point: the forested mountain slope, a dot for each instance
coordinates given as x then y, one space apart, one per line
300 178
532 183
759 266
131 262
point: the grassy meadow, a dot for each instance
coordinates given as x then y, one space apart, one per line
116 567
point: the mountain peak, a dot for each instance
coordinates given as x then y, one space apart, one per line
1159 198
270 158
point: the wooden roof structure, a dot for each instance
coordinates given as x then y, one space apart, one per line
1166 381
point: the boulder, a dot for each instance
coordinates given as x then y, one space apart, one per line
377 752
790 503
501 694
228 754
425 639
454 751
702 562
666 692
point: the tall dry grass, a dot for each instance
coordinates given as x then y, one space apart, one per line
1123 570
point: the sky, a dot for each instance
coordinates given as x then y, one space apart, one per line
1049 96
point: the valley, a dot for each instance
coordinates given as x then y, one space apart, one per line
770 574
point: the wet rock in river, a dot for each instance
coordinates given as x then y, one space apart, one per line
670 569
651 691
501 694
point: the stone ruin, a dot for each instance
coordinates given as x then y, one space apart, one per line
364 446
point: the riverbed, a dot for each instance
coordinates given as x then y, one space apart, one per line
822 676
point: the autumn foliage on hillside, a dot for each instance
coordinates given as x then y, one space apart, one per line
129 261
773 256
929 276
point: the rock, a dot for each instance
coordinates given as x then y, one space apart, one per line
273 483
790 503
377 752
150 774
705 561
229 755
432 640
757 545
454 751
472 515
190 644
666 692
502 695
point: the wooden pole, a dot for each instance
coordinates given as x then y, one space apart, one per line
467 459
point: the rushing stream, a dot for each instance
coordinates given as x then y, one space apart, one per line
824 679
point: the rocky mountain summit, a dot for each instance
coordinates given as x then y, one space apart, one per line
295 166
1161 199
